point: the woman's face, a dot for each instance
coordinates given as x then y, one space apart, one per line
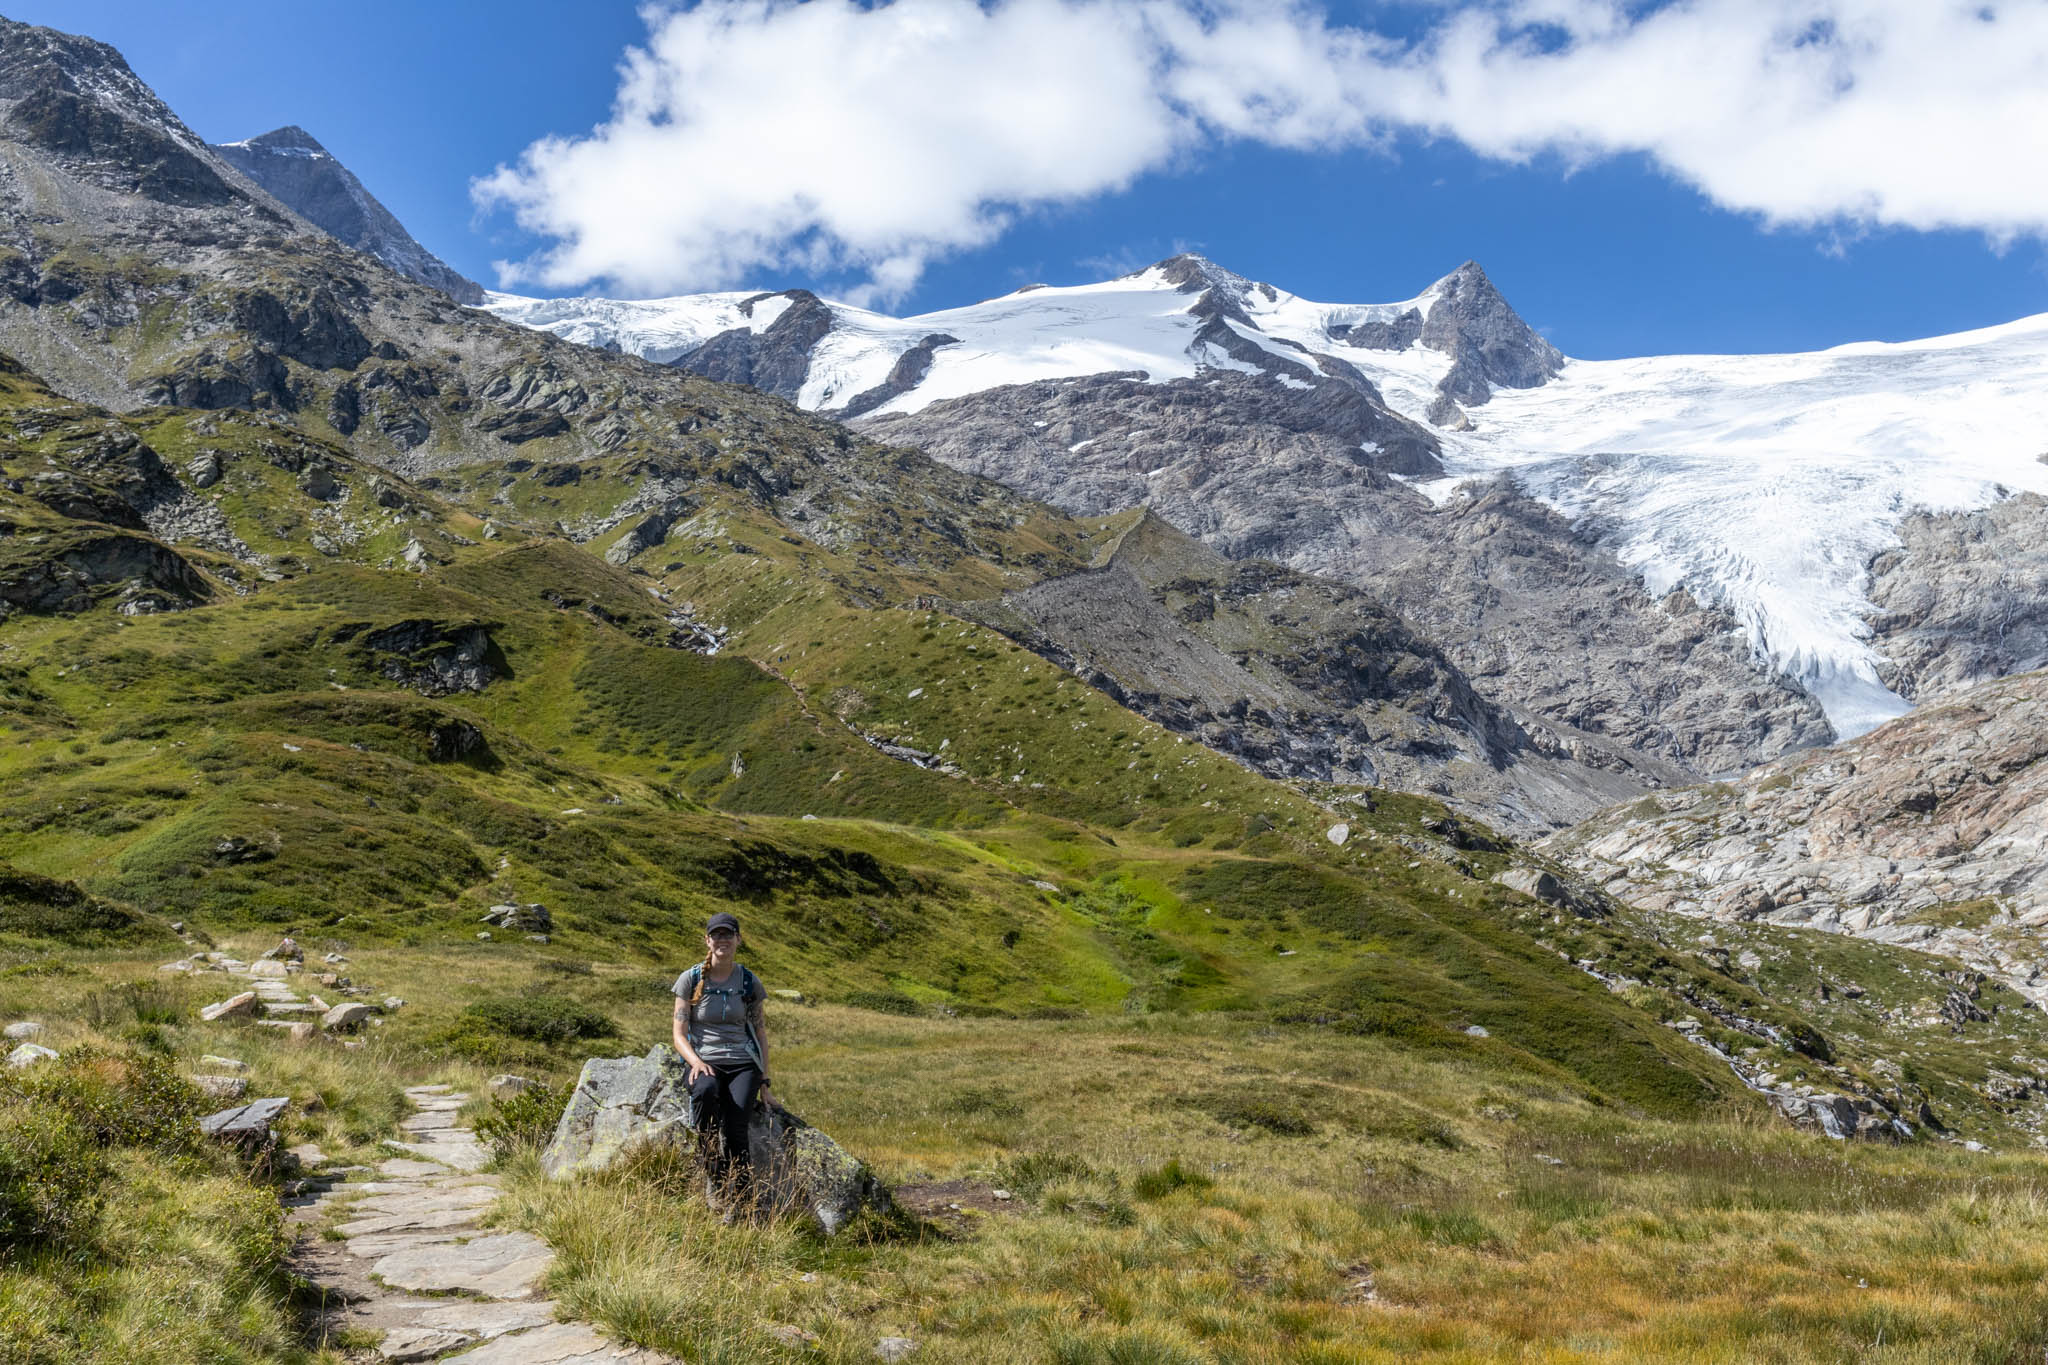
721 945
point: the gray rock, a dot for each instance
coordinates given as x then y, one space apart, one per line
28 1054
223 1063
234 1007
529 919
319 482
1537 614
487 1319
906 374
895 1348
23 1031
248 1124
621 1103
562 1343
287 950
221 1087
505 1085
1551 890
204 470
776 359
1299 676
433 658
345 1017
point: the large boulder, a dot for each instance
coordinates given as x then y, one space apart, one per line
623 1103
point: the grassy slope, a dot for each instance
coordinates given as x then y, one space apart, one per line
1079 864
1353 1199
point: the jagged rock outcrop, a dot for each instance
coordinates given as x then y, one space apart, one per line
307 179
433 658
775 359
623 1103
1927 832
1963 598
1300 677
906 374
1486 339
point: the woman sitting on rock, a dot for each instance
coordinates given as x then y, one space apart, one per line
720 1032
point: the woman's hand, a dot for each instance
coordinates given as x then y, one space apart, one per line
698 1067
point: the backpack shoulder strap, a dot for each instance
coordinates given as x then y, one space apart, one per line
750 985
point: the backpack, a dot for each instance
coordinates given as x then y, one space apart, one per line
750 985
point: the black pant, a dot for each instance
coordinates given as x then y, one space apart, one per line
725 1099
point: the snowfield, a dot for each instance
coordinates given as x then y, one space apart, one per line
1763 483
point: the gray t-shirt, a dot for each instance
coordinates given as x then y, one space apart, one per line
717 1024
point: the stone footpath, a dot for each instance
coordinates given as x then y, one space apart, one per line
410 1230
272 1001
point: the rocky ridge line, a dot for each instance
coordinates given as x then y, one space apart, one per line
293 168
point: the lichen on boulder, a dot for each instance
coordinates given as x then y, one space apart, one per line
624 1103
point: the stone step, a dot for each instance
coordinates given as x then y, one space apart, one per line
506 1265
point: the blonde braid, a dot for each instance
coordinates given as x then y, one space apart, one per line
697 995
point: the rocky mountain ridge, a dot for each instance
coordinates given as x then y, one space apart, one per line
138 302
1771 491
292 166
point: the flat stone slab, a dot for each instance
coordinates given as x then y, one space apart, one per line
428 1199
404 1344
381 1188
489 1320
401 1168
422 1090
419 1220
462 1156
562 1343
434 1122
506 1265
375 1245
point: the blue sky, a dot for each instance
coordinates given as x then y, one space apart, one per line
1611 253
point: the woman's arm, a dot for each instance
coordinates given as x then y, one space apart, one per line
680 1034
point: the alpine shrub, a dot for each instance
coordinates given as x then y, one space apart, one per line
524 1122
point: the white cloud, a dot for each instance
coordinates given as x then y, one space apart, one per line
832 138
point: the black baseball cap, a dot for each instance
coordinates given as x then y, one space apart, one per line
722 920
